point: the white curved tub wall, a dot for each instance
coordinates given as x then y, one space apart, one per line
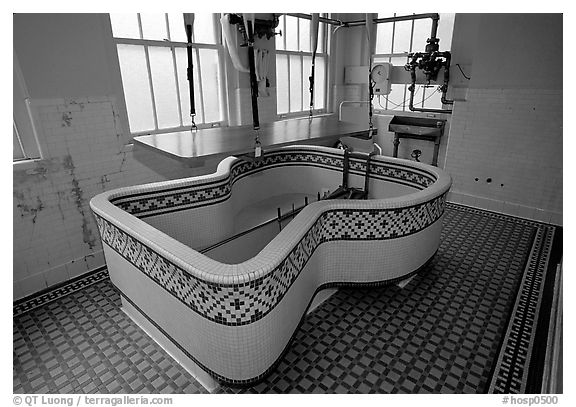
235 320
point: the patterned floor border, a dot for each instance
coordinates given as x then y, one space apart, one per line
61 290
516 370
520 361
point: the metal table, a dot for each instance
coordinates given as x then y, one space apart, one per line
192 148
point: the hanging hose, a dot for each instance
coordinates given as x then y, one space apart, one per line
371 47
188 25
314 37
248 21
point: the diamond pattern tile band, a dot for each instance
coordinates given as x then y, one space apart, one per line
254 299
212 192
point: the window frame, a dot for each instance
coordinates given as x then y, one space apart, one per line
172 45
324 54
24 129
387 57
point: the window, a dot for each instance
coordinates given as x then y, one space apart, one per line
294 64
24 140
153 64
393 42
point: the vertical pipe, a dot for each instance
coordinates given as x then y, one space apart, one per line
279 219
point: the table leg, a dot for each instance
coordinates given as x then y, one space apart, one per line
396 142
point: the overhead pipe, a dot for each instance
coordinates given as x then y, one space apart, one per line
321 19
434 16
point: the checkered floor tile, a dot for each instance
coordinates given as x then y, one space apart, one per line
441 333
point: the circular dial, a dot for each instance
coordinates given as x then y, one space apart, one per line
379 73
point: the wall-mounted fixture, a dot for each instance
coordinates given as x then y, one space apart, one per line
417 128
262 27
431 61
380 75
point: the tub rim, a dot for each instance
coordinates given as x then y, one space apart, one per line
269 258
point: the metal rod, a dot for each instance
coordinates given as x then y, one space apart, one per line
349 101
253 228
321 19
433 16
280 219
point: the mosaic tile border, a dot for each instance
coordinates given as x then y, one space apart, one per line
53 293
147 204
514 363
512 367
248 302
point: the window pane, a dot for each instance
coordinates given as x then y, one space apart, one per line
17 151
177 30
432 98
280 38
153 26
210 84
421 34
125 25
321 29
306 72
291 33
164 83
384 38
305 38
398 61
402 32
395 99
136 87
445 30
282 83
204 28
295 84
320 83
184 87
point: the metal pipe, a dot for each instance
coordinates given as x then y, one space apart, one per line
349 101
434 29
321 19
443 99
433 16
411 89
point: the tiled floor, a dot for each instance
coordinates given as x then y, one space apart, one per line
441 333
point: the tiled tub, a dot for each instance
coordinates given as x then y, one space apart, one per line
233 321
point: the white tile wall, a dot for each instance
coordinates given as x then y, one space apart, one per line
514 137
55 235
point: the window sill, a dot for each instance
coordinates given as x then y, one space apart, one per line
24 165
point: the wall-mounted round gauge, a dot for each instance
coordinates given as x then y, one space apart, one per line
379 73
